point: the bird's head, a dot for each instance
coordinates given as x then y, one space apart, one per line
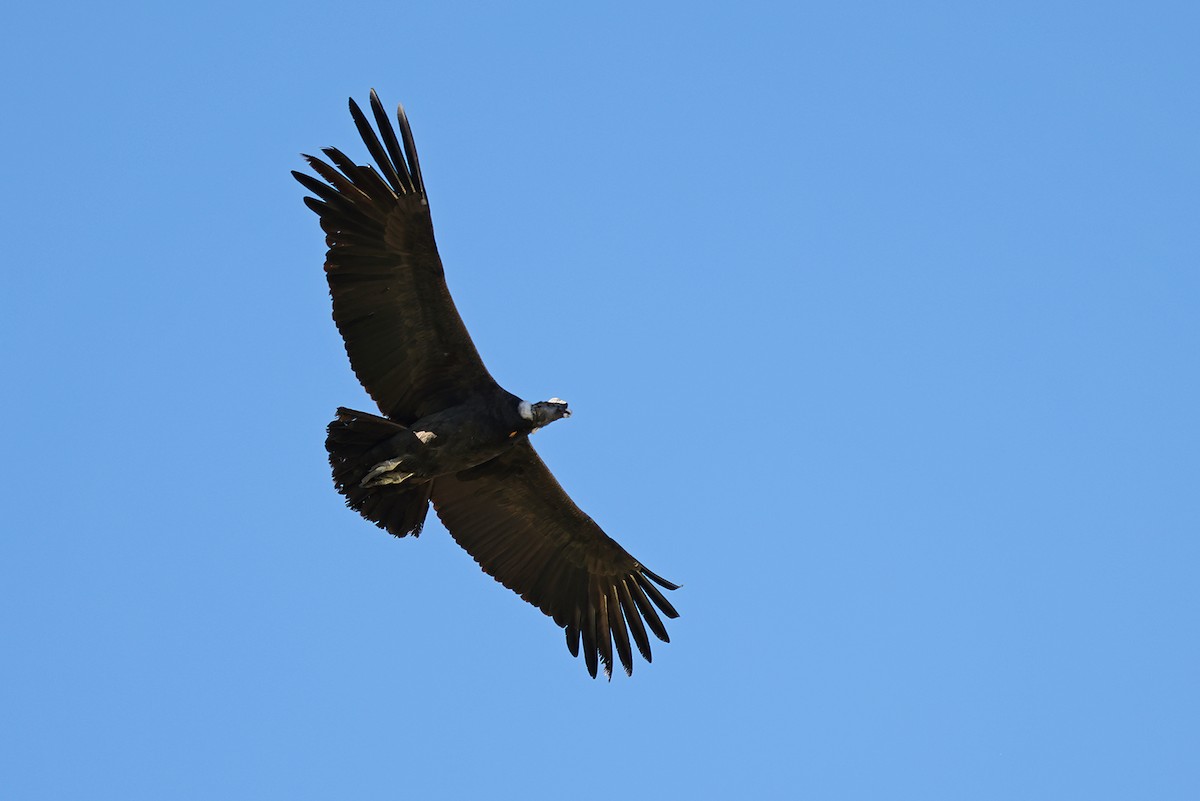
544 412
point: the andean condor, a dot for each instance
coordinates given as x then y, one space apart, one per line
450 434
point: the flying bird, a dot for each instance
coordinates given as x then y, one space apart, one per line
449 434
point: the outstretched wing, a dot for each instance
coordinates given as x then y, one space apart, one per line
406 341
525 531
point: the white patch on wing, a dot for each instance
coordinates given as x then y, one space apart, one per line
425 436
525 409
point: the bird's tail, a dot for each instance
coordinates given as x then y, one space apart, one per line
352 439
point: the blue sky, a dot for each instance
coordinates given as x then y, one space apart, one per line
879 322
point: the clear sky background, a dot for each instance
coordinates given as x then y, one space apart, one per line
879 321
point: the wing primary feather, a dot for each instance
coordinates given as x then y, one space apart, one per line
376 149
341 161
659 599
320 207
364 177
662 582
368 181
589 639
323 191
636 627
389 137
323 169
573 634
336 200
648 613
616 624
410 147
603 633
358 174
340 182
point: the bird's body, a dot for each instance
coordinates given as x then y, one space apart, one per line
450 434
448 441
454 439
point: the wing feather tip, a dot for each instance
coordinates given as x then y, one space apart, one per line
657 579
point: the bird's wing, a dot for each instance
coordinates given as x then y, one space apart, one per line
406 341
525 531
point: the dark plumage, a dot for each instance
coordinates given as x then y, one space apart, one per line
450 434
